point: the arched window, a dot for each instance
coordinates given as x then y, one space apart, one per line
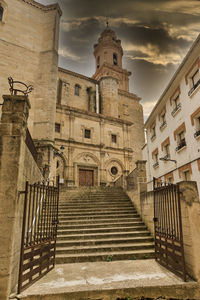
115 59
98 62
1 13
77 89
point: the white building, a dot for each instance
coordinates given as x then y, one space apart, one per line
172 150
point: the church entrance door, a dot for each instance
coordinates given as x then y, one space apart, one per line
86 177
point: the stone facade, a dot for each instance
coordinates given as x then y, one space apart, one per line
71 103
103 108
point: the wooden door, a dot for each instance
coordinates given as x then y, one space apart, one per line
86 177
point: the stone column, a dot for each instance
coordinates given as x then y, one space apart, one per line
13 127
190 210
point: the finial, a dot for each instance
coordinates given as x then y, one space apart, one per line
107 23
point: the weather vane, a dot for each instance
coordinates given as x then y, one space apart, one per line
16 87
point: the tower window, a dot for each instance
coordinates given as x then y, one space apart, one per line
57 127
1 13
98 62
77 90
114 138
115 59
87 134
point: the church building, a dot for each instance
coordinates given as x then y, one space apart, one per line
87 131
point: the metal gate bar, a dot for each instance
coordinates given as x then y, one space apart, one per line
39 232
169 250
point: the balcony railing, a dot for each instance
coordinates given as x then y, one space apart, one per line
178 106
194 88
166 157
197 133
156 164
163 124
181 144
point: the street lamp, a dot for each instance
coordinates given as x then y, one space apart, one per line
167 159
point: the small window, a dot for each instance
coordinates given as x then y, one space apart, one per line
186 175
115 59
195 78
114 170
153 132
1 13
98 62
87 134
114 138
57 127
77 90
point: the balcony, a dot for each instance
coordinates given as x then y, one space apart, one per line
181 145
156 164
166 157
176 109
194 88
197 134
163 125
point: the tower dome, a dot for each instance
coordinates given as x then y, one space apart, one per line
108 54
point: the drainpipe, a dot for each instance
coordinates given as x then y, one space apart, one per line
97 98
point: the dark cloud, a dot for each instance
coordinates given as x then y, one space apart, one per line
155 34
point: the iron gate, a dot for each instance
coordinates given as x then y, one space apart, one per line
169 250
39 231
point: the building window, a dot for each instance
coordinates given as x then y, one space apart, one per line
166 151
1 13
163 120
114 138
155 158
115 59
176 105
195 120
87 133
77 90
180 140
57 127
194 81
114 170
153 132
98 62
186 175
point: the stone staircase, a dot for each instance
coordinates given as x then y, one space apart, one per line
100 224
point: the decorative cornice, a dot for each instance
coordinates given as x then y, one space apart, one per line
77 75
45 8
71 109
129 95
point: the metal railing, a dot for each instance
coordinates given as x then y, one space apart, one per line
181 144
163 124
197 133
177 107
156 164
39 232
169 250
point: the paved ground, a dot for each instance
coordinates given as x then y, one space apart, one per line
74 279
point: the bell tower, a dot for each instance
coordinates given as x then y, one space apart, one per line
108 54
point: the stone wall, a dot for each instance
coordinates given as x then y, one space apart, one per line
16 166
29 53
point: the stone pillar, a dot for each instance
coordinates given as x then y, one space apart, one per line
109 96
190 210
141 175
13 127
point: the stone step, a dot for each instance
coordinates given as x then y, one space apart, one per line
89 206
105 247
105 256
96 217
101 230
95 213
98 221
100 225
92 210
142 238
93 201
102 235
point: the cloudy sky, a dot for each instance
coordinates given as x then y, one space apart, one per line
155 35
